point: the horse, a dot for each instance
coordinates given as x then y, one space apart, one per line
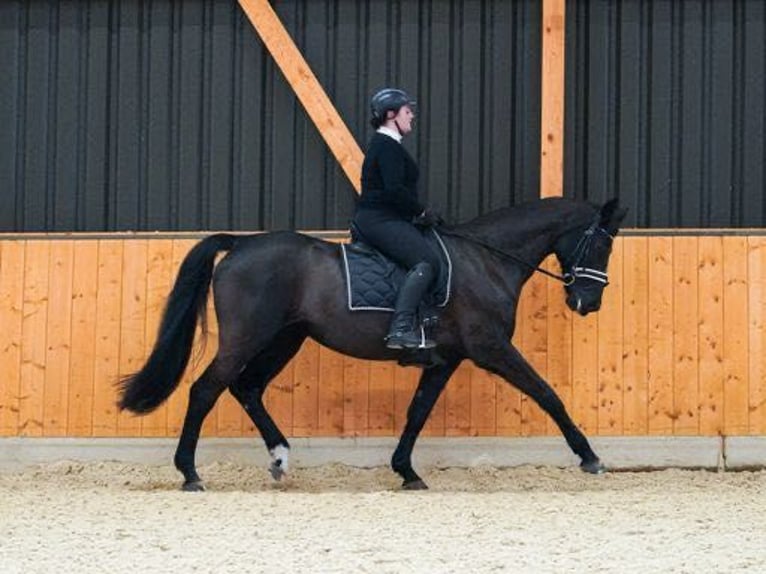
273 290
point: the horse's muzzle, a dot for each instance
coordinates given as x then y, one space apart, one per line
582 304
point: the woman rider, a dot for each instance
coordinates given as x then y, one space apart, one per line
387 208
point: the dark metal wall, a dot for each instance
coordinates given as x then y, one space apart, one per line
666 108
170 115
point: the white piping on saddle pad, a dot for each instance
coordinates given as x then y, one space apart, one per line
388 309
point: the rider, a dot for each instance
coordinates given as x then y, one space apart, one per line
388 210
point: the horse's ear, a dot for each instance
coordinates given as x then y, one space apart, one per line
612 215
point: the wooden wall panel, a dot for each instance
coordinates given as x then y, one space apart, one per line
106 359
660 395
610 353
11 313
736 355
33 338
685 336
82 362
711 347
757 335
635 333
58 338
679 347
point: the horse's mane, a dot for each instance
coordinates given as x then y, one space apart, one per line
528 217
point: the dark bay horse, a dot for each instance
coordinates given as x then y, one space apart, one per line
273 290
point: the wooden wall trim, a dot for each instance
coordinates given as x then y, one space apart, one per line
552 104
307 88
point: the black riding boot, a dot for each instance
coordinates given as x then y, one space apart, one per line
404 333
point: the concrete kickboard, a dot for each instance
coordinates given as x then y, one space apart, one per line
616 452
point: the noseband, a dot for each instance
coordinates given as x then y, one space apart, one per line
581 250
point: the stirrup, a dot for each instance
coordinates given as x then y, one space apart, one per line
409 340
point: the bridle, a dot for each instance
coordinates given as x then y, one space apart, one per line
580 253
573 272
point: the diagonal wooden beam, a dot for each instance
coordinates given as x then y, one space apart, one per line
552 105
306 86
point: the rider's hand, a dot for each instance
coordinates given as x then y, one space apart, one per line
429 218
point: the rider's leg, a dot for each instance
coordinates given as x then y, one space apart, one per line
404 333
402 242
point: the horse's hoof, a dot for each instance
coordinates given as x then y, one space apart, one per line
414 485
276 471
593 467
195 486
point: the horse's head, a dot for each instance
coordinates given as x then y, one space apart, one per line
584 254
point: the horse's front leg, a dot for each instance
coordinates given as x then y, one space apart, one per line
505 360
431 384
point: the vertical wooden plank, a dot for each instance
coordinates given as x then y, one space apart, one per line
636 335
735 335
34 330
610 338
176 404
559 347
534 308
484 402
757 334
457 397
107 356
685 336
330 399
585 372
710 323
552 98
356 396
278 399
11 315
83 358
382 398
661 397
436 421
132 322
508 401
305 391
58 336
159 277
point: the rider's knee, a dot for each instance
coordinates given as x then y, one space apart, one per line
423 269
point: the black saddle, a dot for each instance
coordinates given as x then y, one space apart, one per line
373 280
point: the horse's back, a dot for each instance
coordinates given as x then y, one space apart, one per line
277 266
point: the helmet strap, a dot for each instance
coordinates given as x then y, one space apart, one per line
398 128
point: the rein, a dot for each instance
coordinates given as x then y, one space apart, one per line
575 271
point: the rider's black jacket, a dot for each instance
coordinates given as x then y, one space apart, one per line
390 178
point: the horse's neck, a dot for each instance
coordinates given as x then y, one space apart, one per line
530 231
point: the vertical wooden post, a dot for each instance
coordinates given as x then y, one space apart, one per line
552 108
306 86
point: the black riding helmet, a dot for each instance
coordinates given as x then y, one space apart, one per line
386 100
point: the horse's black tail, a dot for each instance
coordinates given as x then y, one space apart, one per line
147 389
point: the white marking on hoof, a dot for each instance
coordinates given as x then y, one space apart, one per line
280 456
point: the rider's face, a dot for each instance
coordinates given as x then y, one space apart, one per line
403 119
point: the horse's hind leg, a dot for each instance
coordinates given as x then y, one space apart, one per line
431 384
249 387
512 366
203 395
